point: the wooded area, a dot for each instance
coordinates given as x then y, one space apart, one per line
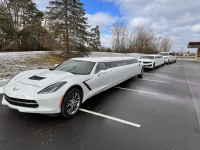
139 40
63 26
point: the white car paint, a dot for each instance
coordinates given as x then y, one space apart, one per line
169 57
21 87
158 60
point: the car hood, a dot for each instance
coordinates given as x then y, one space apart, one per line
43 78
146 60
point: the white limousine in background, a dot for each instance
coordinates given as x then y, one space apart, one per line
152 61
62 90
169 57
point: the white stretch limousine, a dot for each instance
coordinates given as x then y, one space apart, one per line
152 61
62 90
169 57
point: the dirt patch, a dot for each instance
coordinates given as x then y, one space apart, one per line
54 58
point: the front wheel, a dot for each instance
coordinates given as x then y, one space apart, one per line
71 103
153 67
141 74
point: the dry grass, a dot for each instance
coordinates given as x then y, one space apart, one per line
53 59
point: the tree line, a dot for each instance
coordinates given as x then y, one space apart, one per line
63 26
139 40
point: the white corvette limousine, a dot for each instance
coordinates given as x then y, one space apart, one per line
62 90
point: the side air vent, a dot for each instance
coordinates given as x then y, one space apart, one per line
37 78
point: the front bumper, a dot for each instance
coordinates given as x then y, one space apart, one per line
149 65
166 60
47 103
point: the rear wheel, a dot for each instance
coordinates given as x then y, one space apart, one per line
163 64
71 103
175 61
141 74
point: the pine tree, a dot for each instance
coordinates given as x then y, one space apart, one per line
95 40
68 18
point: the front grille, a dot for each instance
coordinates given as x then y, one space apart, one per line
21 102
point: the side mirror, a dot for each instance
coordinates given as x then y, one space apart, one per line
55 65
102 72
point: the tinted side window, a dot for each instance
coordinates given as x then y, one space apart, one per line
121 63
100 66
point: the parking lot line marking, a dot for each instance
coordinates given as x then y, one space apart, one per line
111 118
156 73
150 80
186 66
136 91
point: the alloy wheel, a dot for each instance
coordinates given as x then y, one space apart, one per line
73 103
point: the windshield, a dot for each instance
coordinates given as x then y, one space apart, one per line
164 54
76 67
147 57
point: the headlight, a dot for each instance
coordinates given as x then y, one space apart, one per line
12 78
52 88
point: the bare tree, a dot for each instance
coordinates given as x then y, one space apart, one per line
143 41
166 44
139 40
120 36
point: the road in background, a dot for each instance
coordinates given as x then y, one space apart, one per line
169 118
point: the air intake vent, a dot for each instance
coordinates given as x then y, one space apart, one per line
37 78
21 102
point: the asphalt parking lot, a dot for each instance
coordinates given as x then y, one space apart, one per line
165 104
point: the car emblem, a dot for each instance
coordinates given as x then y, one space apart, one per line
15 89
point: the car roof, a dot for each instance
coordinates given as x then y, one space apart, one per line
103 59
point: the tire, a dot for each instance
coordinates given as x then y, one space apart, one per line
163 64
175 61
141 74
153 67
71 103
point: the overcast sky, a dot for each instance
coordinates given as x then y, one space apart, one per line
178 19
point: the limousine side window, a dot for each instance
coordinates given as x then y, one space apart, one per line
100 66
114 64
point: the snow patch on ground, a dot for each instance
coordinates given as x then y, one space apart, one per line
12 63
